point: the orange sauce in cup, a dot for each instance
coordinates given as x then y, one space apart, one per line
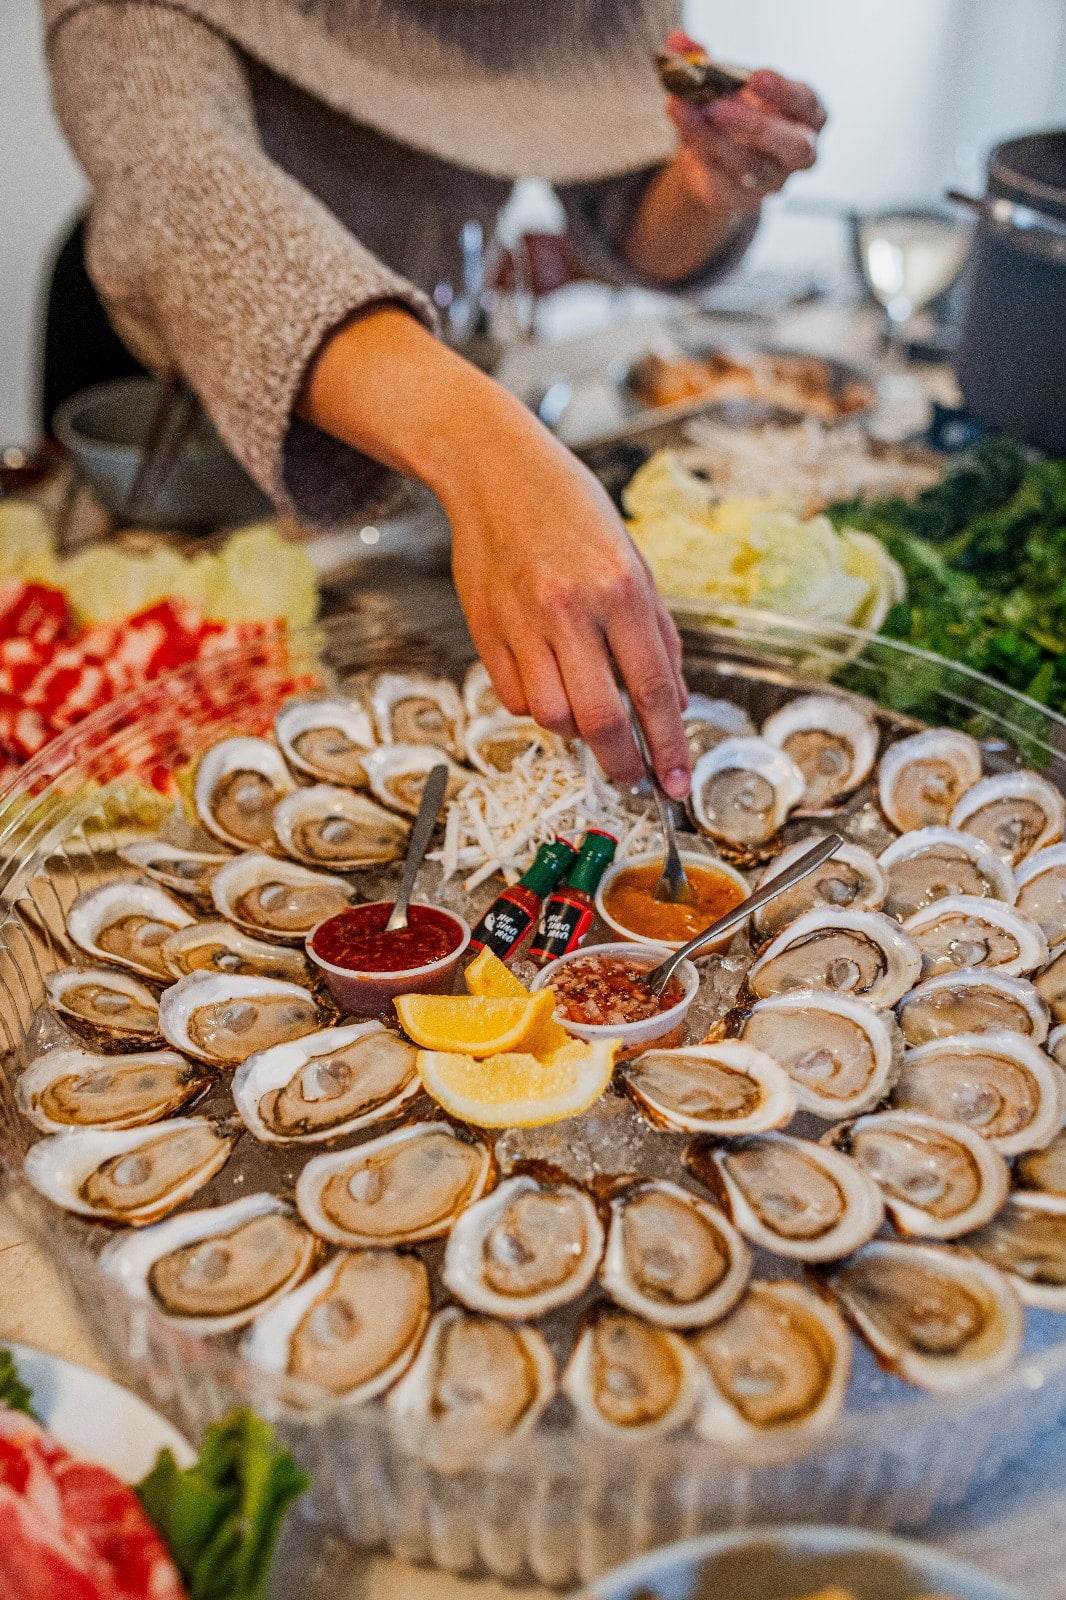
628 899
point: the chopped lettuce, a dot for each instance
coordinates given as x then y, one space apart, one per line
221 1517
13 1392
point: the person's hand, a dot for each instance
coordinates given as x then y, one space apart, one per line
740 149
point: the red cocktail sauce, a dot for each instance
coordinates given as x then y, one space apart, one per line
357 941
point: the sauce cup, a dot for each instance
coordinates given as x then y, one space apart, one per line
370 994
689 860
665 1029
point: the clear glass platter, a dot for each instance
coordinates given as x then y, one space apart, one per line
560 1505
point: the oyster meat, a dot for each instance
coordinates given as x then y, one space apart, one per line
742 791
672 1257
831 740
238 783
126 922
841 1055
1041 881
1044 1170
799 1199
277 899
326 1084
493 744
964 930
109 1009
326 739
214 1270
933 863
134 1176
939 1178
1027 1242
77 1089
348 1332
524 1249
219 946
479 697
859 953
728 1089
937 1319
187 872
1014 814
411 708
397 775
223 1019
405 1186
851 880
629 1377
972 1000
998 1083
707 722
777 1365
325 826
921 779
1050 984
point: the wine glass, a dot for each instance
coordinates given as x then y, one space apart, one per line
909 258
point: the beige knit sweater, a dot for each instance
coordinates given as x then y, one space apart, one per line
262 170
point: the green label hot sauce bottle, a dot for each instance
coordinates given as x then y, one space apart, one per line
512 914
568 913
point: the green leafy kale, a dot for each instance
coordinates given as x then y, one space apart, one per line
220 1518
13 1392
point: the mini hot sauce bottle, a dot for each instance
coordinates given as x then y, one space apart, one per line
568 913
512 913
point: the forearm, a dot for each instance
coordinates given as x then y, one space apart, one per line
682 224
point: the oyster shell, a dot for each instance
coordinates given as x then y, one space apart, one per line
922 778
939 1178
1027 1242
400 1188
851 880
972 1000
326 739
411 708
728 1089
351 1330
776 1366
326 1083
1044 1170
841 1055
938 1319
933 863
799 1199
493 744
126 922
742 791
672 1257
830 739
707 722
997 1083
278 899
479 697
1041 882
1050 984
965 930
397 774
77 1089
524 1249
1014 814
224 1019
110 1009
134 1176
475 1383
1056 1045
324 826
216 1269
238 783
220 947
627 1376
187 872
860 953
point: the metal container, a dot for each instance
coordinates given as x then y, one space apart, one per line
1011 360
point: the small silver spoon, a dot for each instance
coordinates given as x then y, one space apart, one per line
673 887
428 811
657 979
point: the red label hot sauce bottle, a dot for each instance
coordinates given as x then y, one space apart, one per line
512 914
568 913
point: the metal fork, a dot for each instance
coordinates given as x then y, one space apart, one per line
673 888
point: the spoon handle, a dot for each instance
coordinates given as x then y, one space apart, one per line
673 886
428 811
660 976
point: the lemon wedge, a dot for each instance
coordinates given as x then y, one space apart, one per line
516 1090
474 1025
487 975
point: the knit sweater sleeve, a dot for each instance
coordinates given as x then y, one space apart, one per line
211 260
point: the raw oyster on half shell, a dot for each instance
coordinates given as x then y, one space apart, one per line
340 829
187 872
728 1089
841 1054
277 899
851 880
493 744
326 740
964 930
1027 1242
109 1009
930 864
998 1083
77 1089
629 1377
1014 814
397 775
238 783
972 1000
922 778
127 922
412 708
831 740
224 1019
671 1257
860 953
325 1084
134 1176
220 946
1041 883
742 791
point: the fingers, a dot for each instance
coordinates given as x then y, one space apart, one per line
549 699
794 100
647 671
598 708
717 161
500 664
791 145
672 645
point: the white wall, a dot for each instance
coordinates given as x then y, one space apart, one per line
40 188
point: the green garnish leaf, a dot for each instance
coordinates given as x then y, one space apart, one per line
13 1392
221 1517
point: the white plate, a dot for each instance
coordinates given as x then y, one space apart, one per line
96 1419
